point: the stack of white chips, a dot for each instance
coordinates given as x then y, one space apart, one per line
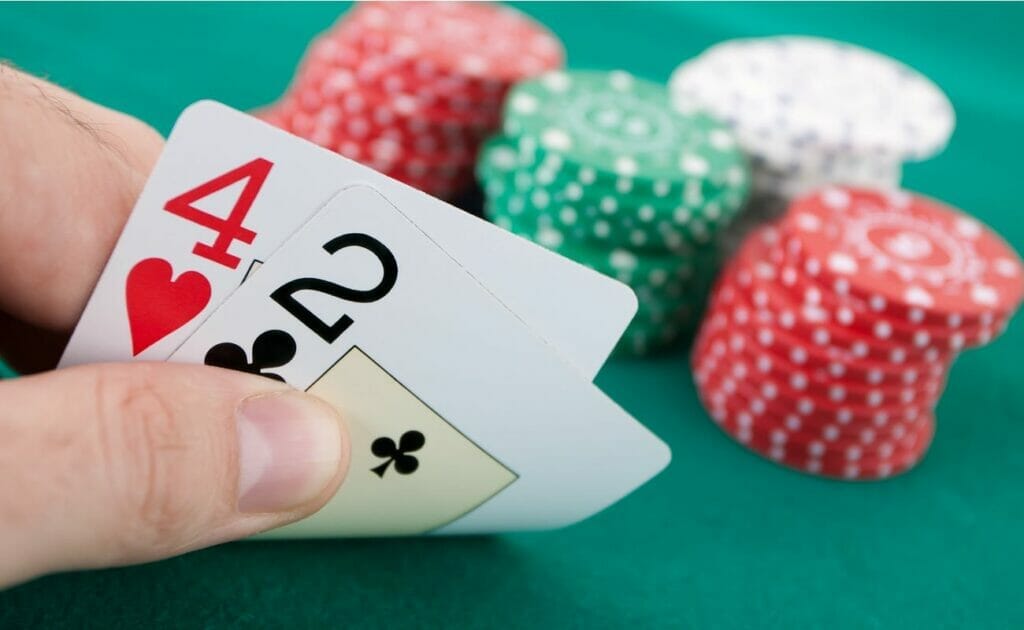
810 112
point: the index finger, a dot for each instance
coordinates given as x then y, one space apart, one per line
70 171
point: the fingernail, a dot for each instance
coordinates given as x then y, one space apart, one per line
290 448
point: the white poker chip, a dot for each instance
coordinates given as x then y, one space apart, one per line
792 97
876 174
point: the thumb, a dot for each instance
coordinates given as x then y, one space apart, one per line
114 464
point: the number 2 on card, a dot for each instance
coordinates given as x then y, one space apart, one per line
285 294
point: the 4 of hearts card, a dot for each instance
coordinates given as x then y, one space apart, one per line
229 189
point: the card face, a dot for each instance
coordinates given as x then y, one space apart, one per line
229 189
461 419
391 493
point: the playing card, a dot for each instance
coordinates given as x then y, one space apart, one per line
229 189
461 419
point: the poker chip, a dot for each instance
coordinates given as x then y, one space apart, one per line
907 257
811 112
412 89
818 349
618 125
480 43
607 217
598 167
833 98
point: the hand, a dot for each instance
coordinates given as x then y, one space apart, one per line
104 465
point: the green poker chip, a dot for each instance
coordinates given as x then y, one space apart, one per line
607 221
604 217
610 219
552 169
499 159
618 129
594 225
713 207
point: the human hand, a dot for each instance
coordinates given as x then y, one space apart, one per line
112 464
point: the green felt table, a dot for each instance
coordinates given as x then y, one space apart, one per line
721 538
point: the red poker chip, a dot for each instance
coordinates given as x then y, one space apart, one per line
817 347
348 43
334 76
443 92
812 319
819 457
389 76
440 176
774 351
804 412
339 57
835 361
822 442
833 466
818 377
379 111
775 377
913 257
819 350
760 308
413 89
719 384
383 153
319 84
821 433
382 139
847 312
480 41
825 444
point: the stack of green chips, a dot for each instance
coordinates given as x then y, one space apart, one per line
598 167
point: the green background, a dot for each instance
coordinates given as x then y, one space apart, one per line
721 538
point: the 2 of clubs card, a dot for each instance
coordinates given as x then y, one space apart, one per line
461 419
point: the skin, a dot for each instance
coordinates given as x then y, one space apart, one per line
105 465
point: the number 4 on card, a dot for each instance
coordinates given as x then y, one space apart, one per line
229 229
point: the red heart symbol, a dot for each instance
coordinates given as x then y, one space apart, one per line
157 304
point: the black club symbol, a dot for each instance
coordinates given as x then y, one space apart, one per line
272 348
405 464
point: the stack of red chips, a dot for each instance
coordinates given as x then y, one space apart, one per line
829 336
412 88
